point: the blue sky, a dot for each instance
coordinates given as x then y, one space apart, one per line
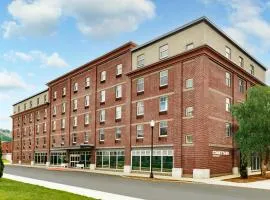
42 39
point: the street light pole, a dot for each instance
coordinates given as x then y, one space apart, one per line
152 124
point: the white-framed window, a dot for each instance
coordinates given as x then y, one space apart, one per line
189 83
251 69
31 117
140 85
241 86
117 133
140 131
119 69
241 61
163 78
44 127
54 110
118 91
63 123
64 92
38 115
75 104
87 101
37 127
75 87
163 128
54 95
189 112
74 138
102 116
118 112
190 46
163 104
188 139
228 128
63 108
54 125
45 113
164 51
140 60
101 135
30 104
86 119
228 104
45 98
25 106
37 101
102 96
86 137
103 76
87 82
140 108
75 121
227 52
228 79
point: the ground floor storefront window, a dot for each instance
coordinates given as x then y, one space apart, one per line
58 158
162 160
40 158
255 162
113 159
79 157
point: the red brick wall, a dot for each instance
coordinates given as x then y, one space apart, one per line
6 147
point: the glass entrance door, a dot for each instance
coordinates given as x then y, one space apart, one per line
74 159
255 162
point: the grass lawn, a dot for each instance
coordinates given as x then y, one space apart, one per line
10 190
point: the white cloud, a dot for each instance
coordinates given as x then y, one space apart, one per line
93 17
53 60
11 80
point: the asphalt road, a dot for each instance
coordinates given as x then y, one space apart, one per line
152 190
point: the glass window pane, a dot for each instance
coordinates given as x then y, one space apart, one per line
167 163
156 164
145 165
135 162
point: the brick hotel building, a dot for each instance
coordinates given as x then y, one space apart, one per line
98 114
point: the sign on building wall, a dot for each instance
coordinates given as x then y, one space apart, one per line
220 153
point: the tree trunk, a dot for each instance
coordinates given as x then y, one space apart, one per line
264 163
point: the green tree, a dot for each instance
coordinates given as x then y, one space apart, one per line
1 161
253 117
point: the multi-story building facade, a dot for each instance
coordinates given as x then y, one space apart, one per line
185 80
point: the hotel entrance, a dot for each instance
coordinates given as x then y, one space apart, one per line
79 157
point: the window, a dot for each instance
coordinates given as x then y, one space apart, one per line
228 52
101 135
119 70
118 91
54 125
251 69
228 129
37 127
86 137
163 78
164 51
25 106
140 132
140 108
86 101
87 82
140 60
37 101
75 87
228 104
55 95
75 121
189 46
63 123
140 85
31 117
75 104
86 119
118 112
118 133
102 96
103 76
102 116
189 112
228 79
74 138
45 113
189 139
54 110
45 98
38 115
163 104
189 83
44 127
163 128
63 108
241 86
241 61
64 92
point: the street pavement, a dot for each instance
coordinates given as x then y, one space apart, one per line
152 190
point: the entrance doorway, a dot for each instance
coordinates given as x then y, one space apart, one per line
255 162
79 157
74 159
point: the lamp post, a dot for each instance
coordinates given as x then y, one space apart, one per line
152 124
